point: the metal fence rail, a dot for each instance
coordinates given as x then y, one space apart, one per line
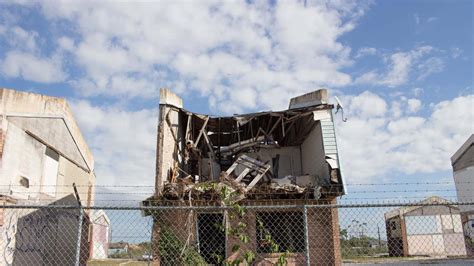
237 235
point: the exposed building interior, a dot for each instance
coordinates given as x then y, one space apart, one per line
279 154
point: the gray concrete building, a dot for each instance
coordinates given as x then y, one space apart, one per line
463 173
42 154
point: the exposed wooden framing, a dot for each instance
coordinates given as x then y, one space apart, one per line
209 145
283 127
251 127
238 130
264 133
201 131
275 125
290 127
188 128
269 123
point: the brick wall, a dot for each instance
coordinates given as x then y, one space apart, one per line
323 233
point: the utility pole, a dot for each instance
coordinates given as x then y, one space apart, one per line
378 232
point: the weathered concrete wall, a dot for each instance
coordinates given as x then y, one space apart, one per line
54 132
29 123
70 173
169 137
29 104
22 157
312 154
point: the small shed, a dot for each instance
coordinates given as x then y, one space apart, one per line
425 230
100 234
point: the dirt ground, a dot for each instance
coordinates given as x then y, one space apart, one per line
410 261
117 262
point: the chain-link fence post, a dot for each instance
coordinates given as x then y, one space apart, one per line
306 238
79 236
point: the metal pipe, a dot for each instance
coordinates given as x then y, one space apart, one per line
79 237
306 235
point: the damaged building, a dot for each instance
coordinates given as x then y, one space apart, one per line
44 160
270 158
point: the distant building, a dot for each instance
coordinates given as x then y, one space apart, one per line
42 154
118 248
100 234
425 230
463 168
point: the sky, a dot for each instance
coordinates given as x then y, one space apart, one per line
402 69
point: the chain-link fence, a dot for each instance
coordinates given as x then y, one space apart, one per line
238 235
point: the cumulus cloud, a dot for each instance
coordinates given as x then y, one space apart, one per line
216 49
24 58
123 142
366 51
456 52
17 64
430 66
399 68
377 143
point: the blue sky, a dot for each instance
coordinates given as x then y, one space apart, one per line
403 69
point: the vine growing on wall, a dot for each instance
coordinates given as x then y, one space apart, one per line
239 231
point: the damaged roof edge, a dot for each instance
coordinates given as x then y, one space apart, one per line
309 99
169 98
314 98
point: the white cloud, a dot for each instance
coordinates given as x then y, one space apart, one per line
208 47
417 91
66 43
365 51
456 52
19 38
399 68
413 105
430 66
17 64
377 144
123 142
368 104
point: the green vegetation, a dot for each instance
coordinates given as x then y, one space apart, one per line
170 249
356 244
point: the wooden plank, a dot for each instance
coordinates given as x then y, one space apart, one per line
231 168
242 175
256 179
188 128
209 145
201 131
275 125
